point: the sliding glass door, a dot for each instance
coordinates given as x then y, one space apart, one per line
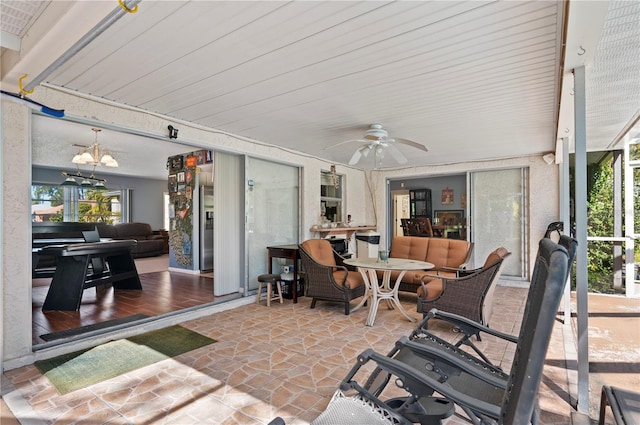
272 208
499 216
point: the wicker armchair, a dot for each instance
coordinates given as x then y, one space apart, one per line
327 278
470 294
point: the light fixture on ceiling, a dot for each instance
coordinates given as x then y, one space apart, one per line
95 155
87 182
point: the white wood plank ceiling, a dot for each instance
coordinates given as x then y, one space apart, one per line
470 80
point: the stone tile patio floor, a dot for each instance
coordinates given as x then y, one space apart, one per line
287 360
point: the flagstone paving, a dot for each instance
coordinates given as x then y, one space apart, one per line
285 360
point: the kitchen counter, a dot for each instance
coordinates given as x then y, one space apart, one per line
331 231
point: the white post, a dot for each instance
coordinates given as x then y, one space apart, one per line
582 287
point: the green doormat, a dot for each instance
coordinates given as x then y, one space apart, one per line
73 371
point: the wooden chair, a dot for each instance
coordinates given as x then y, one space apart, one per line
417 227
328 279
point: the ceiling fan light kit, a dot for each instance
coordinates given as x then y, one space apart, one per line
377 138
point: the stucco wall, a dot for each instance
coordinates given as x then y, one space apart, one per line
16 222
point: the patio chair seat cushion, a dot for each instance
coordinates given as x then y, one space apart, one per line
434 289
354 279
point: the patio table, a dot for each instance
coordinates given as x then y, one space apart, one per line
384 290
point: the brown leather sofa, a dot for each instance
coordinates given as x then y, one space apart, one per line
441 252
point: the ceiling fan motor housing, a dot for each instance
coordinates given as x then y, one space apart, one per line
376 132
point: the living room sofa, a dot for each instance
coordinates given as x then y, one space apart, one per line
441 252
148 243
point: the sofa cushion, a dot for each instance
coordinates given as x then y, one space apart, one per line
106 231
409 247
440 252
447 252
138 231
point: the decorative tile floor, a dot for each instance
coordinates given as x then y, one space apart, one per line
286 360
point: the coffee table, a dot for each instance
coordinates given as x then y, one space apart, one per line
384 290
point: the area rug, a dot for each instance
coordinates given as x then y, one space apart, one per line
96 326
81 369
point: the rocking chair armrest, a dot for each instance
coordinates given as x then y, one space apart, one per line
465 325
416 379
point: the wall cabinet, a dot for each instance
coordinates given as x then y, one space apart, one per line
331 204
420 203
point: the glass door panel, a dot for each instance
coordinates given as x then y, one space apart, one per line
272 205
498 217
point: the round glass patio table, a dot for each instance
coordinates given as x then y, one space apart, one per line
384 290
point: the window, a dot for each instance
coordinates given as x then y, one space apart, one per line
77 204
46 203
331 202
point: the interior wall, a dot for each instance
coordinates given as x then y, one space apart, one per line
457 183
146 200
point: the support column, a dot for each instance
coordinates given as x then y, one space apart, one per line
582 287
617 219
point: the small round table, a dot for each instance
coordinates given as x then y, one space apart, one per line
383 290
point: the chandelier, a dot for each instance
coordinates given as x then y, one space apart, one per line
87 182
95 155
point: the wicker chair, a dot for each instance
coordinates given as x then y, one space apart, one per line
327 278
469 294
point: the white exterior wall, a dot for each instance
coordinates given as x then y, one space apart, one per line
16 225
16 180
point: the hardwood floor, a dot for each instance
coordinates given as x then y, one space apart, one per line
163 292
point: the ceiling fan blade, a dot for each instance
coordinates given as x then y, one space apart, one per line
412 143
345 142
359 154
396 154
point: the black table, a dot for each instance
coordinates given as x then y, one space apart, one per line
290 252
73 274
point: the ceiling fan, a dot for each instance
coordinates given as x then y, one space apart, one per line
377 139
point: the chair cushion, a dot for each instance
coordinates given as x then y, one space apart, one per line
434 289
495 256
447 252
321 251
354 279
409 247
